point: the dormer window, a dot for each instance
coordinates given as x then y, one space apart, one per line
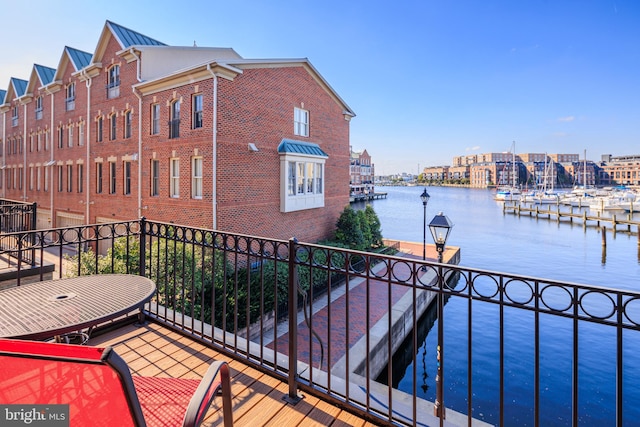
70 100
39 108
113 83
14 116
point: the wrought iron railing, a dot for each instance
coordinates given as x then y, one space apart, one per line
328 320
16 216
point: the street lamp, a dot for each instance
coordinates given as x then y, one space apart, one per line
440 227
425 199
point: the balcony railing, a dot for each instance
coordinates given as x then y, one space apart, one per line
316 316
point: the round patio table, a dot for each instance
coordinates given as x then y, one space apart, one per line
51 308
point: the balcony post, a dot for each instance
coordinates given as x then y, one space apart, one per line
292 302
143 246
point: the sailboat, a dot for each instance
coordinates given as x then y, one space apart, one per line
545 194
507 193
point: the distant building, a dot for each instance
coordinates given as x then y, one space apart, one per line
620 170
361 174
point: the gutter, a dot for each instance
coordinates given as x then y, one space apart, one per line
214 156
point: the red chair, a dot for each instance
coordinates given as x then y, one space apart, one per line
98 387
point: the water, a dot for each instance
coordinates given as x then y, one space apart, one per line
523 245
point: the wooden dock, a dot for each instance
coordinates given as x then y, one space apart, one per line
555 212
367 197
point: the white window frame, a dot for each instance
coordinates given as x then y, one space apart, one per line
198 111
70 100
126 188
99 178
300 122
113 82
39 108
112 177
174 182
155 178
196 177
70 136
155 119
80 167
301 191
81 134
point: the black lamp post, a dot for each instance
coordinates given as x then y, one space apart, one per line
440 227
425 199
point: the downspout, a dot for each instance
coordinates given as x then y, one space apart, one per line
24 151
214 159
139 96
87 139
51 146
4 155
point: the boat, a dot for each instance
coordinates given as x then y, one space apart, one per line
509 192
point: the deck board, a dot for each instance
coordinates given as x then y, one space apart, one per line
154 350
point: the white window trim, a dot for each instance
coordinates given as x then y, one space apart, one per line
300 126
196 180
305 200
174 185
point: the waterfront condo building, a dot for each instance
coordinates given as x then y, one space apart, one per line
192 135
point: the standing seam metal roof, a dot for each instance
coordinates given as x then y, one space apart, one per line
301 147
3 93
19 85
79 58
130 38
45 74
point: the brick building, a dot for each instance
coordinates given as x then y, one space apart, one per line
192 135
361 174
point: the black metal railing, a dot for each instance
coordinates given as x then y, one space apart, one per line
17 216
328 320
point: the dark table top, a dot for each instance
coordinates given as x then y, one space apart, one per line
54 307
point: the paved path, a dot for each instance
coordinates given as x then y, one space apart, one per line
346 319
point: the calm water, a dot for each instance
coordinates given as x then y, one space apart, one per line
492 240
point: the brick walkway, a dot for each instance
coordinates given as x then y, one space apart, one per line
346 319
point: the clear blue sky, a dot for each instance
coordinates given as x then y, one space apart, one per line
428 79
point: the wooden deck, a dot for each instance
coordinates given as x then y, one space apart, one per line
153 350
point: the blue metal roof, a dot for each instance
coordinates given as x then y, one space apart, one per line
300 147
128 38
45 74
19 86
3 93
79 58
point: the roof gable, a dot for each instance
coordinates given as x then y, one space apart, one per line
45 74
19 86
128 38
123 36
79 58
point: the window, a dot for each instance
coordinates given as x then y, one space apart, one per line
112 127
174 190
46 141
99 178
196 178
39 108
302 175
80 178
60 181
197 111
70 136
39 141
14 116
20 177
69 178
112 177
113 82
31 178
70 100
300 122
127 124
81 134
30 142
99 129
155 119
155 178
38 178
60 137
46 179
174 124
127 177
